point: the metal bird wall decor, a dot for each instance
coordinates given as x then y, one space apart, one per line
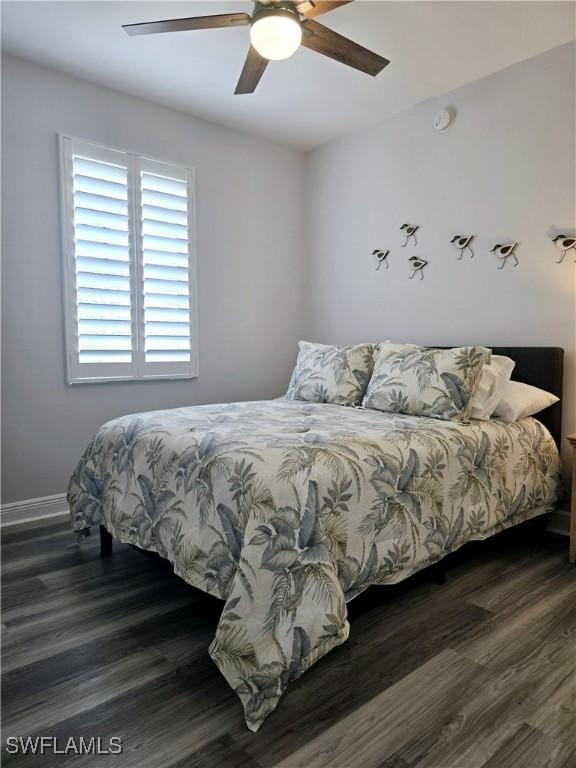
504 252
564 244
381 257
417 265
462 243
409 233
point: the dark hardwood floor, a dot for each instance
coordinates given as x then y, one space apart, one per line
479 672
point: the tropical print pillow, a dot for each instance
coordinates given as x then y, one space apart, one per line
330 374
421 381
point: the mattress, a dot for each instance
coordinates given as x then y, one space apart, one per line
287 510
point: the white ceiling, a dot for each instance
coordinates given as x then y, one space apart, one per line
307 100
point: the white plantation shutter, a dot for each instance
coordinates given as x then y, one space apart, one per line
165 214
129 267
102 250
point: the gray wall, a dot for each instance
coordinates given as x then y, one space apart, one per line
267 276
504 170
249 240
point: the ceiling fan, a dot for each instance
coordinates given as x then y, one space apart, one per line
277 29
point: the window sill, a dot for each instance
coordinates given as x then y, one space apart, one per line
116 379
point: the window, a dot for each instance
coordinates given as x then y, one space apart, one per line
129 271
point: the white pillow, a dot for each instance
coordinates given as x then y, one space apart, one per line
522 400
490 388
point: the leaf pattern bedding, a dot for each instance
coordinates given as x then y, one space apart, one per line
420 381
328 374
286 510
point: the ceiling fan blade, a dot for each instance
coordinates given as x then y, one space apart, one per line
329 43
252 71
318 7
183 25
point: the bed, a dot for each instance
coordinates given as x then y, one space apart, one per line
286 510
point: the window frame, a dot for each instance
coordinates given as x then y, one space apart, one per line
138 369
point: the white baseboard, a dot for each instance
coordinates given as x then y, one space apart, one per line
560 522
33 509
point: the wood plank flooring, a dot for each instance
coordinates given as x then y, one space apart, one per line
479 672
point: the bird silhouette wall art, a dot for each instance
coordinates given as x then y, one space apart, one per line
417 265
381 257
504 252
462 243
564 244
409 231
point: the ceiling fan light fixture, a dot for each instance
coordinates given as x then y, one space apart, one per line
276 34
277 29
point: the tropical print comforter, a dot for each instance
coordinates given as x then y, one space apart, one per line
286 510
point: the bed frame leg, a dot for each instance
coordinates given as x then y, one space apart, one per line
105 542
539 524
438 573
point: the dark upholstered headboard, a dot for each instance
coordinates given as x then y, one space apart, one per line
541 367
